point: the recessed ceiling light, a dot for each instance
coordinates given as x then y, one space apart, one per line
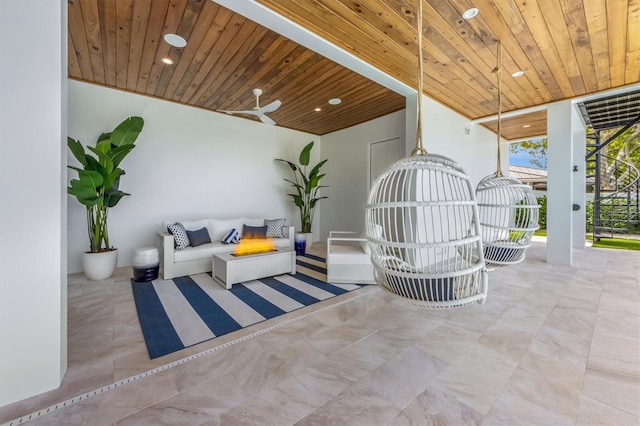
470 13
517 74
167 61
175 40
318 109
526 126
335 101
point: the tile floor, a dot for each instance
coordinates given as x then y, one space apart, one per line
552 345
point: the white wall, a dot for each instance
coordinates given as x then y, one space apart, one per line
33 279
347 168
444 133
188 163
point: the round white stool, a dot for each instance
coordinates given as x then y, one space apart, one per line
146 263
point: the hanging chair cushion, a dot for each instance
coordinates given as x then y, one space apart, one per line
502 254
432 290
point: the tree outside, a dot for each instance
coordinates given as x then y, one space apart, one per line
625 148
534 151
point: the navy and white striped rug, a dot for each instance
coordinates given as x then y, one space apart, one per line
178 313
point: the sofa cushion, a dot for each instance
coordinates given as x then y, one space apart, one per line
281 242
194 225
254 232
198 237
179 235
205 251
275 227
348 254
218 228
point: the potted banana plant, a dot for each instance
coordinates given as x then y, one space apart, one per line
97 188
307 185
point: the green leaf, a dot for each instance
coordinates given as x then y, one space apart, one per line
117 154
297 200
84 194
305 155
94 165
77 150
316 169
103 144
90 179
113 196
315 200
293 166
127 132
113 180
104 159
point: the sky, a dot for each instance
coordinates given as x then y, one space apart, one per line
521 159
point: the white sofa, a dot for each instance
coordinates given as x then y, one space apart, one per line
195 260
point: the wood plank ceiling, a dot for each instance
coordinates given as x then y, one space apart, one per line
119 44
566 48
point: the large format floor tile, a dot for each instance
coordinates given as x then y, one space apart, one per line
552 345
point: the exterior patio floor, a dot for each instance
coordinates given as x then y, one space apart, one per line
552 345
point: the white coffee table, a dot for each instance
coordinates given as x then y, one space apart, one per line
229 269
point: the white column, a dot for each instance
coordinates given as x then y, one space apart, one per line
579 135
559 183
33 274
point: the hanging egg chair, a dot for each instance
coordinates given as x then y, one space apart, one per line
508 208
508 218
423 228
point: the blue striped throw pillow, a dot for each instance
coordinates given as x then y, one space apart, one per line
232 237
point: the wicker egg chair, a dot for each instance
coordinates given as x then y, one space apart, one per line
508 218
423 229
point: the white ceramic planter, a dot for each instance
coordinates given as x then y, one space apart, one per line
309 238
99 266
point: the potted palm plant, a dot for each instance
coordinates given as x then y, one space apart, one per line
97 188
307 185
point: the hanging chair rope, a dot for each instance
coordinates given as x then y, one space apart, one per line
419 149
508 209
423 225
498 72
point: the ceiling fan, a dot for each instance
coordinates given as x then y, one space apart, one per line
257 110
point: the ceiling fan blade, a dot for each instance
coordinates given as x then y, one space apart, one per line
265 119
252 112
271 107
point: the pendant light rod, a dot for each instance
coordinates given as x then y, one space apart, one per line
419 149
498 71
